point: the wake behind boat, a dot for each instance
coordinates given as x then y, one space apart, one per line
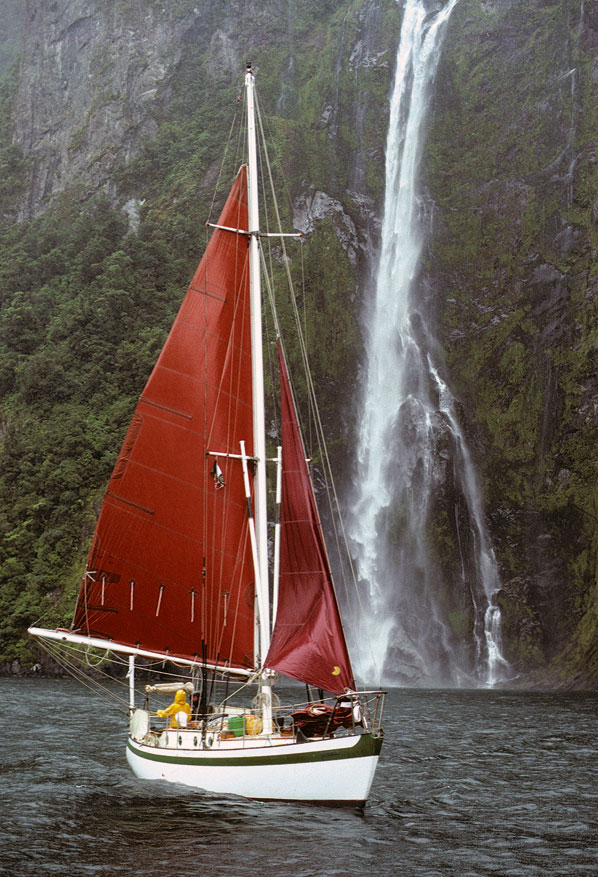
178 575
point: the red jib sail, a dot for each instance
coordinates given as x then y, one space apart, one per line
170 566
308 642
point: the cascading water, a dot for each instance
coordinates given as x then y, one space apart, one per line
417 527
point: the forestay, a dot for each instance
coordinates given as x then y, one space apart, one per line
308 642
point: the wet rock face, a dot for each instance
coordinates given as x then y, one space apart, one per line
512 166
89 79
95 80
312 207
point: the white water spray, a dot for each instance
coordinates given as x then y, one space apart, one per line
417 485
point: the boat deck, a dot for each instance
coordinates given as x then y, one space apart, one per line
197 739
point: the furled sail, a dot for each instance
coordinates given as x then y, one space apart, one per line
170 566
308 642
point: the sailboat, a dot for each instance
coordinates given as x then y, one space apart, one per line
178 579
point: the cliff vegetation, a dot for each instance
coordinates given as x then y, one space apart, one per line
512 167
112 124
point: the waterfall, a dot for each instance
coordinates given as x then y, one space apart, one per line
417 525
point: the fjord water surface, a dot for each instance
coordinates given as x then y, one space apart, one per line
469 783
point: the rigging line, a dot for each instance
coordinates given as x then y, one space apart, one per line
224 155
82 653
76 670
241 152
319 428
271 296
304 354
268 268
204 525
332 494
230 349
285 258
267 263
230 394
277 154
235 583
233 395
237 691
312 401
311 416
272 312
230 360
272 381
206 627
330 483
241 588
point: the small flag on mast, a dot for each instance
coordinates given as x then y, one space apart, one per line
218 475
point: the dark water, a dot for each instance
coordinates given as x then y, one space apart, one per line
469 783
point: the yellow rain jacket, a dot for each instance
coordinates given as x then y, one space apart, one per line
180 705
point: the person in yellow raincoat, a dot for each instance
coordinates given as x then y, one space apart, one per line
179 711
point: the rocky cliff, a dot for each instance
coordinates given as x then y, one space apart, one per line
512 168
131 99
88 81
97 80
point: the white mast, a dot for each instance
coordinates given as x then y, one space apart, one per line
259 431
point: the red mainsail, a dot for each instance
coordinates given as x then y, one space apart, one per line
170 567
308 641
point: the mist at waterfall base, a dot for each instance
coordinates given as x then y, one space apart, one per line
469 783
417 526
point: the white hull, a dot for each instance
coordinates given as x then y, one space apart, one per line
338 770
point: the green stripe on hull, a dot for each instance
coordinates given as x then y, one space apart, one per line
365 748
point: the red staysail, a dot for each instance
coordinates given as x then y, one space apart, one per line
308 642
170 566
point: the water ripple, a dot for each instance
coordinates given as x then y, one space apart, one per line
469 783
